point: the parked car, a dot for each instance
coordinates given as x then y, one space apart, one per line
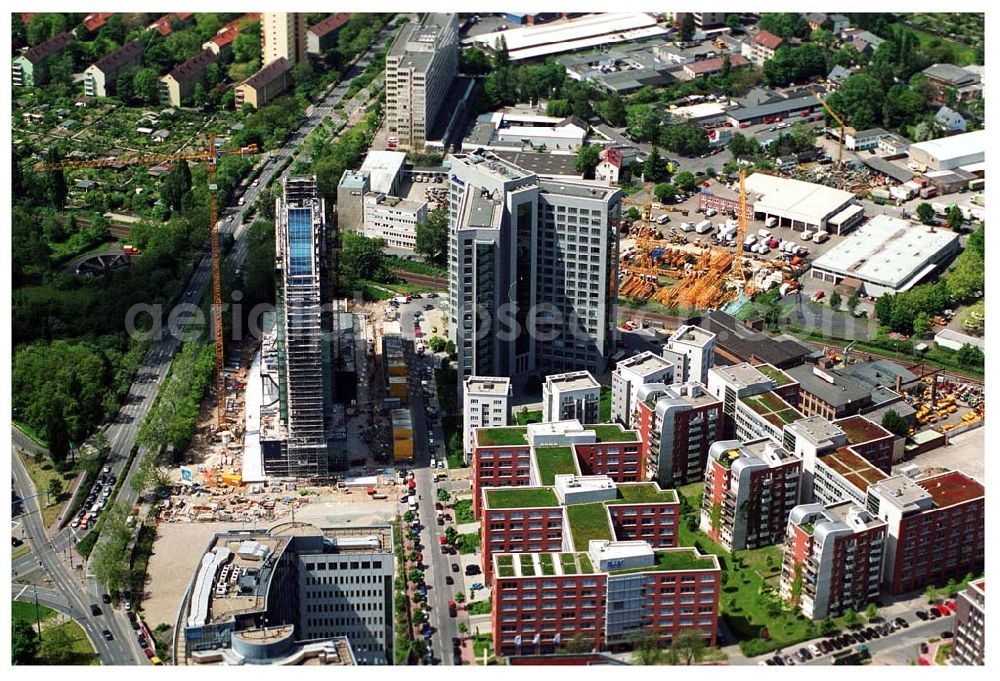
105 598
472 570
149 653
903 623
143 643
454 567
476 586
921 615
107 635
924 648
448 579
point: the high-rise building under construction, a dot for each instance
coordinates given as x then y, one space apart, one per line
305 377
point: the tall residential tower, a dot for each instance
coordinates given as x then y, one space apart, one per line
282 34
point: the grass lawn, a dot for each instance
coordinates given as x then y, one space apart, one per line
455 459
20 551
483 643
42 476
554 461
604 409
32 435
942 655
26 611
463 512
468 543
643 493
745 600
83 651
612 433
964 55
524 417
673 560
588 521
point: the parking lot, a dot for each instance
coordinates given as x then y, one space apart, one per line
966 453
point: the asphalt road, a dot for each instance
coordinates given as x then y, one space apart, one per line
899 646
438 564
122 431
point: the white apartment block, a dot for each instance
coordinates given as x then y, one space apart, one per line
419 69
282 34
485 404
574 395
629 376
697 346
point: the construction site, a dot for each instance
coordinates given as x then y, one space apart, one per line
709 271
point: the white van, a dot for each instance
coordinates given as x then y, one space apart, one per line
771 222
806 235
763 234
663 219
821 236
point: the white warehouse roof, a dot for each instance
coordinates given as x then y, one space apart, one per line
956 146
555 36
888 251
795 199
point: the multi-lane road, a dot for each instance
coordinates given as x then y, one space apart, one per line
49 552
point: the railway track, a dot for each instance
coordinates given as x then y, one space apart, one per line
432 282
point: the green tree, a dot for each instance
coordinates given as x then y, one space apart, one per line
665 192
861 98
432 236
871 612
955 218
57 430
970 356
921 324
895 423
587 158
199 95
23 640
643 122
647 644
55 487
685 181
784 24
835 300
951 588
925 213
451 534
557 107
734 22
612 110
930 593
474 62
462 628
827 626
688 647
687 27
56 181
850 618
459 597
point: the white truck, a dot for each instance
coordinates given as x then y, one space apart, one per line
771 222
806 235
703 227
687 227
663 219
763 234
821 236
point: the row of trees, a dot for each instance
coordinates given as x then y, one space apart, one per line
647 124
171 421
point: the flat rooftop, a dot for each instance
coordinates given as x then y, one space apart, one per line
772 408
888 251
645 363
796 199
776 375
491 164
547 564
487 385
383 167
595 191
847 512
589 522
853 468
692 335
952 488
859 429
543 164
521 497
817 429
576 380
839 391
741 375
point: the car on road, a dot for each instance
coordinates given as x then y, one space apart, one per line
128 603
105 598
95 610
107 635
924 648
449 580
416 296
429 306
454 567
815 649
143 643
432 295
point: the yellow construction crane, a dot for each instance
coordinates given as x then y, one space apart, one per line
840 121
211 154
737 271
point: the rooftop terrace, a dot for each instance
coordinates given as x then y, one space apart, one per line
859 429
612 432
500 437
521 497
952 488
675 559
773 408
588 521
853 468
643 493
554 461
776 375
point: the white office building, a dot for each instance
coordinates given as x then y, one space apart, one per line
533 270
697 348
419 69
392 219
485 404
